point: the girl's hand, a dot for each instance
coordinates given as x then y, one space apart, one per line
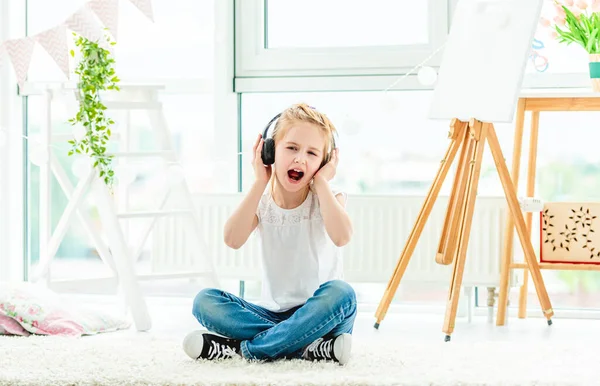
262 172
327 172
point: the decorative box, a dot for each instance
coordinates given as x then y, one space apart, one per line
570 233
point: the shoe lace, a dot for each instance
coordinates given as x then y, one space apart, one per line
218 351
320 348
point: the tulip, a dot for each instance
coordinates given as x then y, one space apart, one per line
544 22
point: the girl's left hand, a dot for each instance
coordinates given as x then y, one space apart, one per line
327 172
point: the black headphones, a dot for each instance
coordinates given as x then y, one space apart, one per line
268 151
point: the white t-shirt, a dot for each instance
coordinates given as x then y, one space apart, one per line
297 253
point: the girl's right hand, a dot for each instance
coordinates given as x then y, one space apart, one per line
262 172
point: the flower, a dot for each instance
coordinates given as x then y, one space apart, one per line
545 22
575 22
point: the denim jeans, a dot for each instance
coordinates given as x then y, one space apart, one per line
268 335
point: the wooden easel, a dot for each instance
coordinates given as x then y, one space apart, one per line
454 240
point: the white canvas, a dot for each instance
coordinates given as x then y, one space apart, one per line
484 59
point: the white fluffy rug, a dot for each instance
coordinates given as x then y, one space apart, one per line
141 359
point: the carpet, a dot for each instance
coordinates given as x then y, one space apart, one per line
144 359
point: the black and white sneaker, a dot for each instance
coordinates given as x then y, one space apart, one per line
336 349
208 345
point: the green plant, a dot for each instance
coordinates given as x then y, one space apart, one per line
96 74
576 22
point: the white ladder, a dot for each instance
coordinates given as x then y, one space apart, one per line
116 253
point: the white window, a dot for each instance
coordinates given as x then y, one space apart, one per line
387 146
314 38
364 46
189 50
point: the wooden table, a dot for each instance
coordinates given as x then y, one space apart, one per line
536 102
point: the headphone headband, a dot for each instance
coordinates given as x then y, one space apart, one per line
269 125
268 153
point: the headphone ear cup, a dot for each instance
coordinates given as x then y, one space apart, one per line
268 151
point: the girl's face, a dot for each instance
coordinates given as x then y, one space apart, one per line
298 156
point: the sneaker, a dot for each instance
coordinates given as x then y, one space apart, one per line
206 345
336 349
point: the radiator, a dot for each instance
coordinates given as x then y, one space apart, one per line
382 225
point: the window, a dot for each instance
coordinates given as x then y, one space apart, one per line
276 53
177 51
337 23
387 144
337 38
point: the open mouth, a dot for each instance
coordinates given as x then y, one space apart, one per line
295 175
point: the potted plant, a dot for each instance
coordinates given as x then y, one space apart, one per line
579 22
96 74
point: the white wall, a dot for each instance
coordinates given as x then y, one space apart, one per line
12 18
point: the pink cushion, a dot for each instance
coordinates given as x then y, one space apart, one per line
40 311
9 326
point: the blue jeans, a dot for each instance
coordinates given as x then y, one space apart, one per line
268 335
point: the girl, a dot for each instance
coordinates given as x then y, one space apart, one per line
307 310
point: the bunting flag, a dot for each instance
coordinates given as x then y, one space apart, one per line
145 6
88 21
108 13
55 43
2 55
20 52
83 23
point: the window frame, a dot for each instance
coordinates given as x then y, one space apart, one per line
258 70
253 59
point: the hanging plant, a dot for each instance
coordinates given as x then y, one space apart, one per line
96 74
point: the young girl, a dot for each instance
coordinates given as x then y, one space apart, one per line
307 310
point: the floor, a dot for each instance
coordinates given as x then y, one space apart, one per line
408 348
172 318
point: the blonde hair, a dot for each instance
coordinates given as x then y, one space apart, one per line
302 112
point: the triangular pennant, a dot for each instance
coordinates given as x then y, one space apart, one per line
84 23
2 54
20 52
108 12
55 43
145 6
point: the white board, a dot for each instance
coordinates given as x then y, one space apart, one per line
484 60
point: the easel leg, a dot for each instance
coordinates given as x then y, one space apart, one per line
477 133
531 168
457 133
517 215
507 251
448 240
